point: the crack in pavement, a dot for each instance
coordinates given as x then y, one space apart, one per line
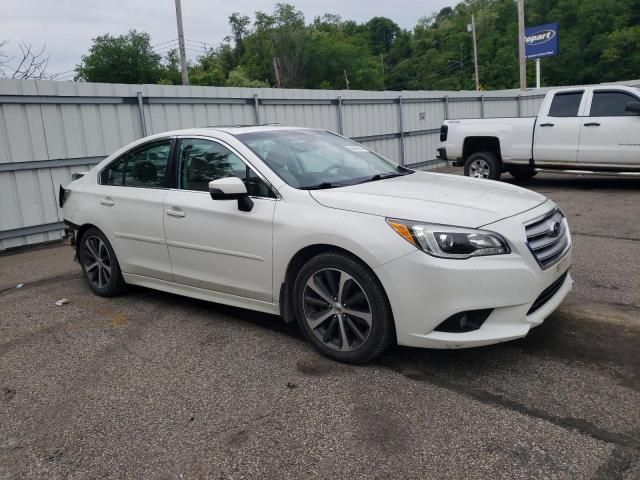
36 283
600 235
625 440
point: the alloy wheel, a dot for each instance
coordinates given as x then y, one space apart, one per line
96 261
337 309
479 168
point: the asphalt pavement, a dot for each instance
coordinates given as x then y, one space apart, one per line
152 385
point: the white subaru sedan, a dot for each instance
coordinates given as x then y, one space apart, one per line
303 223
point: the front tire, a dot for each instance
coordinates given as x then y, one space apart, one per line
342 308
99 264
483 165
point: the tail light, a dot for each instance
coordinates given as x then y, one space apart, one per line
444 131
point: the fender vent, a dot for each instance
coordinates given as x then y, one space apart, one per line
548 293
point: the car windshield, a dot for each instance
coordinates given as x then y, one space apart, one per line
313 159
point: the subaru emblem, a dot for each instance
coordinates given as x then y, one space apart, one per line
554 229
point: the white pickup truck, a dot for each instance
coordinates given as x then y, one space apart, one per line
586 130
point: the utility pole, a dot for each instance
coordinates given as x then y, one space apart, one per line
461 68
475 50
523 61
276 70
183 53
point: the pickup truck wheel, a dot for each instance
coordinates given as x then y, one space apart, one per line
522 173
483 165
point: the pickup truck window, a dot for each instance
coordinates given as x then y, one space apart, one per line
611 104
565 104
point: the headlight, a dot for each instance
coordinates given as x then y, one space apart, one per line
450 242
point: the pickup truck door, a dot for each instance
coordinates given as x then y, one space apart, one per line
610 134
556 136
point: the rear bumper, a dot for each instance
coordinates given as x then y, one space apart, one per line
442 153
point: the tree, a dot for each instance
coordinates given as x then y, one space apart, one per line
238 78
239 27
382 32
597 44
30 64
122 59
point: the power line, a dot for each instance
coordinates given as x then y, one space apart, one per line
162 43
449 69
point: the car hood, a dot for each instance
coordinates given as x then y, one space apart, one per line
434 198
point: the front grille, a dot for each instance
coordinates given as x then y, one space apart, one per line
547 293
548 238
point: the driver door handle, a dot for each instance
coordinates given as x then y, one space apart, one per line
546 124
107 202
174 213
592 124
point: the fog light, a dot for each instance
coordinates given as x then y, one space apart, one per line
464 321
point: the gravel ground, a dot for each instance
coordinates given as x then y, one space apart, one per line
151 385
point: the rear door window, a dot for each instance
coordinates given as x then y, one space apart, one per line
145 167
565 104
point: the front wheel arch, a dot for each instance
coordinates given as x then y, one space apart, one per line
296 263
382 330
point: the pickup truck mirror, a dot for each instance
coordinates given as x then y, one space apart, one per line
633 107
231 188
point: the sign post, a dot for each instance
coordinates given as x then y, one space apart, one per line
541 41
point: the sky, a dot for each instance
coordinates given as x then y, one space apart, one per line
66 27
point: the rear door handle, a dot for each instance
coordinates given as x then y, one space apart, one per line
547 125
592 124
108 202
174 213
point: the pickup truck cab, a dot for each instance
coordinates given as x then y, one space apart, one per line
587 130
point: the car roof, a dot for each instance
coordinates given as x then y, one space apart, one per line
232 130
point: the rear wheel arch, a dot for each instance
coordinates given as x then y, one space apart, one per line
82 229
100 267
481 144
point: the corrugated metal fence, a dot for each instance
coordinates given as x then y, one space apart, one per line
49 130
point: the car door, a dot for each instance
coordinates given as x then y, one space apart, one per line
212 244
557 129
129 200
610 134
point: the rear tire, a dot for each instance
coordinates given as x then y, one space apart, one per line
522 173
342 308
483 165
99 264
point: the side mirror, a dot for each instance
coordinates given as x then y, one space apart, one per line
633 107
231 188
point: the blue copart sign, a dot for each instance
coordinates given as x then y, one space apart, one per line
541 41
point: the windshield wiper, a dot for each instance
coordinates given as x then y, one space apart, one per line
322 186
381 176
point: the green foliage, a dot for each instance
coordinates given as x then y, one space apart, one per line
599 41
123 59
238 78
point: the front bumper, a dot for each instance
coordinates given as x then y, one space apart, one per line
424 291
